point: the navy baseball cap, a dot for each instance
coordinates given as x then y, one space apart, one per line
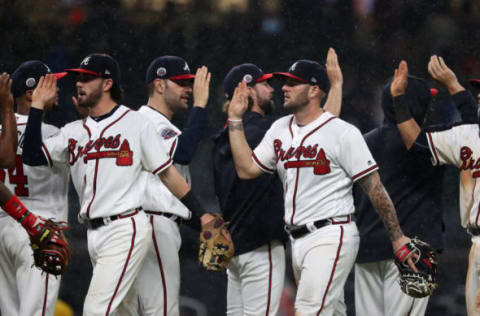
249 73
27 76
308 71
475 83
168 67
99 65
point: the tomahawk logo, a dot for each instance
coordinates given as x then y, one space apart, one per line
292 68
85 61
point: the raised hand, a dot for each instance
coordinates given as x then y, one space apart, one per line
440 72
45 93
239 103
201 87
400 80
6 97
333 68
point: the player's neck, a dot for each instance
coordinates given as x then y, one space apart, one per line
104 106
160 106
308 114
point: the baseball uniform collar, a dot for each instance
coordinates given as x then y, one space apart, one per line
313 124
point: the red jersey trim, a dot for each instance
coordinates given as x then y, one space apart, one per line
132 245
290 126
173 148
364 172
333 270
432 148
163 167
262 166
47 155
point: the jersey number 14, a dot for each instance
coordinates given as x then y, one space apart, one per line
16 177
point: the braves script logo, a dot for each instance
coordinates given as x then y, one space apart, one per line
123 155
315 158
468 162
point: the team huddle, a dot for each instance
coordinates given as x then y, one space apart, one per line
342 199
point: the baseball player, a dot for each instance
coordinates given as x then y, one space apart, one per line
38 188
318 157
412 184
457 145
170 85
254 208
106 153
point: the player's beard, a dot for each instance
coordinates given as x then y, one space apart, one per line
91 100
267 106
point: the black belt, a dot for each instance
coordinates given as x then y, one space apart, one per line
177 219
474 231
99 222
303 230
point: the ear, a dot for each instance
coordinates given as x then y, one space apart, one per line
252 93
159 85
107 84
28 95
315 92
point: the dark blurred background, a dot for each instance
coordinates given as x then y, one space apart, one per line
370 37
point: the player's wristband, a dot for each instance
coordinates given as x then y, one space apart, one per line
19 212
400 106
192 203
234 121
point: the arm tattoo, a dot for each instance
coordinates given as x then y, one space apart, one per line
232 126
382 203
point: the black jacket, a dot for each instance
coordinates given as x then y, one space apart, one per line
253 207
413 183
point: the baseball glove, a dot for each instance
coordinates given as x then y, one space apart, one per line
215 251
51 251
422 283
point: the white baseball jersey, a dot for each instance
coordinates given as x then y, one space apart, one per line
42 189
106 159
157 196
317 164
460 146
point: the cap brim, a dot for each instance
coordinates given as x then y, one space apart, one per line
289 75
60 75
83 71
433 92
475 83
265 77
182 77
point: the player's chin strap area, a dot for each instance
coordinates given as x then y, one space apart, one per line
300 231
95 223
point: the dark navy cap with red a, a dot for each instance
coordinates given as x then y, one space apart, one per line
308 71
99 65
249 73
168 67
27 76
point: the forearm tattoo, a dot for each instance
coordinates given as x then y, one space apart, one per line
235 126
382 203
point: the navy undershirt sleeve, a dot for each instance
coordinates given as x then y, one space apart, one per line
191 135
467 106
32 145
